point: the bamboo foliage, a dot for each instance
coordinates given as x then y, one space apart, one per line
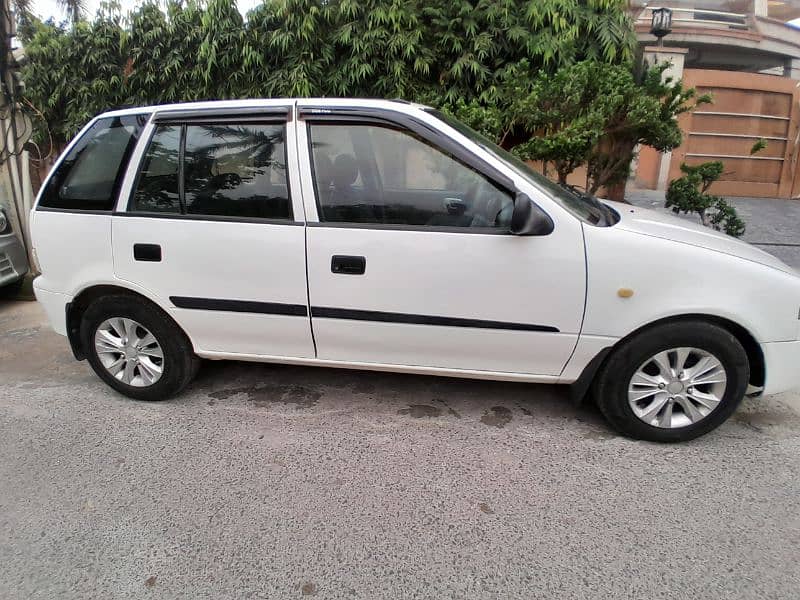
439 51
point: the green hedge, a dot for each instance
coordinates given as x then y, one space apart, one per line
438 51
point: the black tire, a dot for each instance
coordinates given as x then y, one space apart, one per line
610 388
180 364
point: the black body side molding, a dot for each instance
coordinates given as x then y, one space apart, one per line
325 312
243 306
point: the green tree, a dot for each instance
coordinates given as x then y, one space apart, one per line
299 41
587 113
75 9
220 56
380 48
641 113
156 48
73 72
438 51
484 47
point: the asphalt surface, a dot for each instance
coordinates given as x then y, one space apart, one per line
267 481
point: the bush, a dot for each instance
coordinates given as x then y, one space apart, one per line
688 194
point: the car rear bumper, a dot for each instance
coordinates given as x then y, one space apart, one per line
55 305
13 259
782 360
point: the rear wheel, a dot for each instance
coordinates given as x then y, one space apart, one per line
673 382
136 348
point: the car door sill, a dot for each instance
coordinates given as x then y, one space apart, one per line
369 366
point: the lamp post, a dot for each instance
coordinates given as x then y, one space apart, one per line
661 23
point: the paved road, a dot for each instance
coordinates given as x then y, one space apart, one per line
283 482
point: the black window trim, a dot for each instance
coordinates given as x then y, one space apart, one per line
402 122
219 218
258 116
404 227
405 121
181 169
184 115
75 211
124 166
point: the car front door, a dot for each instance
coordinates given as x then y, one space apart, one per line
213 228
410 259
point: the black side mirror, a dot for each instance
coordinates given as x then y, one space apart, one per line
529 219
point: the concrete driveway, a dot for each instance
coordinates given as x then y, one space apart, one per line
281 482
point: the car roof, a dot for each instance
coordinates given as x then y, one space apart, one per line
266 103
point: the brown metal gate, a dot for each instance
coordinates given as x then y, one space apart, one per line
747 107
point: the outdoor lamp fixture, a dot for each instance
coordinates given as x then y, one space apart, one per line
661 24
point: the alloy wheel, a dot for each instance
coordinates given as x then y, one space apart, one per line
129 352
677 387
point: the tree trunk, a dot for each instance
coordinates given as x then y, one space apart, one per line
616 192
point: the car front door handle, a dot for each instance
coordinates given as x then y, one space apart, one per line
348 265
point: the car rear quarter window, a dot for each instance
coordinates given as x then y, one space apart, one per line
89 177
227 170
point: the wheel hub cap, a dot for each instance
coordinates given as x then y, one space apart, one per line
677 387
129 352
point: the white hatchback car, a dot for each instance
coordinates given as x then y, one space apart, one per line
384 235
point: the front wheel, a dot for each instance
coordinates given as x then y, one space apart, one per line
136 348
673 382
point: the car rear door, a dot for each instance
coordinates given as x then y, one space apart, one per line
213 228
410 259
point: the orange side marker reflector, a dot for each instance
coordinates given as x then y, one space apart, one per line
624 292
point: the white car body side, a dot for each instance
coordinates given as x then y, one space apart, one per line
567 281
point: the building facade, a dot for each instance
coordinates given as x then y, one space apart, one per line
746 54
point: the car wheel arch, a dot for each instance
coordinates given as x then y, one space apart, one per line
77 307
755 355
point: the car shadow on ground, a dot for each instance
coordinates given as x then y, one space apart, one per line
493 403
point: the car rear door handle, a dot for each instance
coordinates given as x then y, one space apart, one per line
147 252
348 265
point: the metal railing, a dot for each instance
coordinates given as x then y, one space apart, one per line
698 17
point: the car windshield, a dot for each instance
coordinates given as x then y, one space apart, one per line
582 205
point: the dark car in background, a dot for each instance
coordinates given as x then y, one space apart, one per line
13 258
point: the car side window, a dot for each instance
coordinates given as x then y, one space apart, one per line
158 188
236 170
418 184
228 170
90 175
